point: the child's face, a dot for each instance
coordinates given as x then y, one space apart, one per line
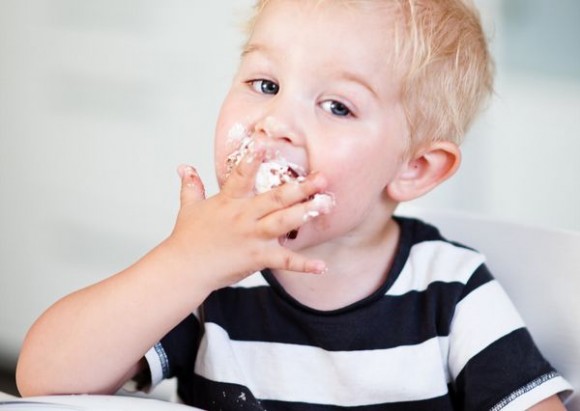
315 83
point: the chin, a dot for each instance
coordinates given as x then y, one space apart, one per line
307 236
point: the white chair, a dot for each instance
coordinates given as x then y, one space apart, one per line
540 270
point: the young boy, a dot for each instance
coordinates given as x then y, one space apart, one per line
353 107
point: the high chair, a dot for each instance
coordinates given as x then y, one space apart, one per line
540 270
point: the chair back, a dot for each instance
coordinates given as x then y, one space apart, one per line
539 269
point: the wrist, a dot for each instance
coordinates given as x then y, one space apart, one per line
181 272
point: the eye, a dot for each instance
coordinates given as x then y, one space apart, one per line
336 108
264 86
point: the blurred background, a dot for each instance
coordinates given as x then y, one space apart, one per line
100 101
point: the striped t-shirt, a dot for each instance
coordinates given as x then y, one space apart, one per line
440 334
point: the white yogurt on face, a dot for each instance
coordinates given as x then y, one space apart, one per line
272 174
237 133
244 147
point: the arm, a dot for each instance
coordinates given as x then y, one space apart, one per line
92 341
552 403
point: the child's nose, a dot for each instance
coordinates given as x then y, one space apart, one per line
271 128
282 139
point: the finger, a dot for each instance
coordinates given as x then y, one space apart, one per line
192 188
291 261
241 181
289 194
279 223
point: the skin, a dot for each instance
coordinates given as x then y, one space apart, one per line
325 103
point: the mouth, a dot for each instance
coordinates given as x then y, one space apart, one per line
273 172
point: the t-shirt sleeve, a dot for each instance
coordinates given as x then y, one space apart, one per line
175 354
493 359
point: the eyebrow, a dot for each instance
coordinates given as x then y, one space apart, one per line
252 48
344 75
355 78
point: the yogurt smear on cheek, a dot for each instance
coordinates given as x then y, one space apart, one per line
235 135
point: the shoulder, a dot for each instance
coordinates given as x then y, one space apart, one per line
427 257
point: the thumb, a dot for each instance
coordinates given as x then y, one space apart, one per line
192 188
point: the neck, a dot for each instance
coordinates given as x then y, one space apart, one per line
357 267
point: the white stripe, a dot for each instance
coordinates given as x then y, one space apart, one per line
254 280
154 366
435 261
482 317
288 372
557 385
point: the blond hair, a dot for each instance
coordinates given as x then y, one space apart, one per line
445 67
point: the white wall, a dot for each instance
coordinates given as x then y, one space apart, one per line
520 158
100 101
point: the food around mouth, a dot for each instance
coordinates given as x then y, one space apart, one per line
271 174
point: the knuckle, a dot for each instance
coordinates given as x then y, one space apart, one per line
281 220
255 254
277 197
287 262
238 218
238 171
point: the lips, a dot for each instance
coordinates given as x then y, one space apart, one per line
273 172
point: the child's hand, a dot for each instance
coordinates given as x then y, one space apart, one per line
234 233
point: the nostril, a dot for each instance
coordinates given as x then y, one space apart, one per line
273 128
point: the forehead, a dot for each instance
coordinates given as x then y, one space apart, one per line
329 32
377 13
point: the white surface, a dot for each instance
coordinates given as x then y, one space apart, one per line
540 270
89 403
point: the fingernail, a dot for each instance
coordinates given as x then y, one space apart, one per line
310 215
320 204
185 170
190 171
319 267
318 179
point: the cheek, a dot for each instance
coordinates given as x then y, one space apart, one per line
359 172
229 133
359 186
220 154
220 165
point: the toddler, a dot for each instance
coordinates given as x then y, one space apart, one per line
295 287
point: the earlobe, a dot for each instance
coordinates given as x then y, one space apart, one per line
424 171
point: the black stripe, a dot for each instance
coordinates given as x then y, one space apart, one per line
180 345
479 277
484 381
259 314
420 230
222 396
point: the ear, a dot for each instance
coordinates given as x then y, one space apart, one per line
425 170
